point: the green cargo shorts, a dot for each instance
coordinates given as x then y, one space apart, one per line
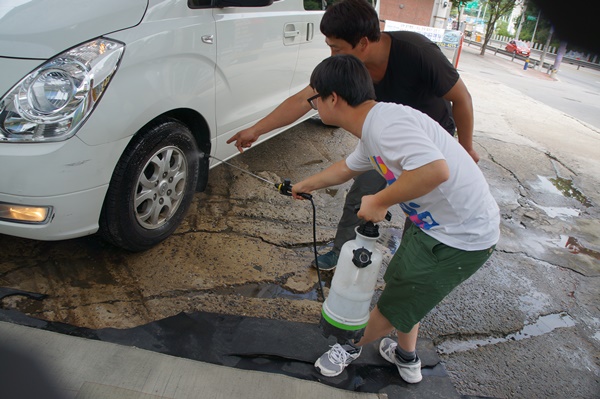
421 273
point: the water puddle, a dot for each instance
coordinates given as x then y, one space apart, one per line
543 325
29 302
575 247
561 186
265 290
390 238
331 191
315 162
557 211
565 186
546 185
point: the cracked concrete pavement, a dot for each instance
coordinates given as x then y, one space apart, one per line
526 325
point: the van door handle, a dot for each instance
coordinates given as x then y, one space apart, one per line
208 39
292 33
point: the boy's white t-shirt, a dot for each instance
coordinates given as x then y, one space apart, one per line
460 212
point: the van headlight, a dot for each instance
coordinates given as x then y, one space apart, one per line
54 100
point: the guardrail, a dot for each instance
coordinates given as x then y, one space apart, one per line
532 61
535 62
581 63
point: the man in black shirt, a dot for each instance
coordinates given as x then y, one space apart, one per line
406 68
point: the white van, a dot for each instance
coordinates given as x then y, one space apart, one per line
107 106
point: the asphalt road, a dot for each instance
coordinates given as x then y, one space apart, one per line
576 91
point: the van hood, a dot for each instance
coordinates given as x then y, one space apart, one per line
41 29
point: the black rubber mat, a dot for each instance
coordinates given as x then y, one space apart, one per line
274 346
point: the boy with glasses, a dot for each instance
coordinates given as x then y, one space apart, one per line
455 219
406 68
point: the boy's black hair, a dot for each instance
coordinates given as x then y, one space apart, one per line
345 75
351 20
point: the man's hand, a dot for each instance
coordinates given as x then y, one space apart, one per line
473 155
243 139
462 111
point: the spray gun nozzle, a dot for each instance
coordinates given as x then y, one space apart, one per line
285 188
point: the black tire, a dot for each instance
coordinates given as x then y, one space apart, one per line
151 188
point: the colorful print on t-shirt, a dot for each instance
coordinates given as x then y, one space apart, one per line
424 220
383 170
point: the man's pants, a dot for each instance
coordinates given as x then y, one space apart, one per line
368 183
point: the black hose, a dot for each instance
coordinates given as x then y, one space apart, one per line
315 249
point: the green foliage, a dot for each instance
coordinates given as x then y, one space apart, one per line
502 28
543 28
497 8
531 24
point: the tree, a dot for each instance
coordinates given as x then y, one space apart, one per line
497 9
531 21
460 5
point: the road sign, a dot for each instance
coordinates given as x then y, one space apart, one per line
531 17
472 5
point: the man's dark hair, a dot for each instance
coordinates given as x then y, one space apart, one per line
351 20
345 75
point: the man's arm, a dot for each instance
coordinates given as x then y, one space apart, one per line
287 112
410 185
462 111
337 173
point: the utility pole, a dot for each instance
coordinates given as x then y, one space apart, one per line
546 47
535 29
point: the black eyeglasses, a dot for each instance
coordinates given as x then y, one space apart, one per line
313 105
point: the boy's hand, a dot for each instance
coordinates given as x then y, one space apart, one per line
243 139
300 188
370 210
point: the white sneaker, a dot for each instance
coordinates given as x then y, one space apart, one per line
335 360
409 371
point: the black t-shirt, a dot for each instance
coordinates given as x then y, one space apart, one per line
418 74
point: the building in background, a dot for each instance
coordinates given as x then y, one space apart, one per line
514 16
428 17
433 13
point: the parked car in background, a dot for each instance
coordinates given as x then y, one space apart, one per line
518 47
108 107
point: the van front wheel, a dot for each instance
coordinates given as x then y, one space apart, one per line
151 188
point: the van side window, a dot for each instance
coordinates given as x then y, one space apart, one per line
199 3
315 4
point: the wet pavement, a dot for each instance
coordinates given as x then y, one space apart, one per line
526 325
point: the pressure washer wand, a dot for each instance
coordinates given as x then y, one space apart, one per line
243 170
284 188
